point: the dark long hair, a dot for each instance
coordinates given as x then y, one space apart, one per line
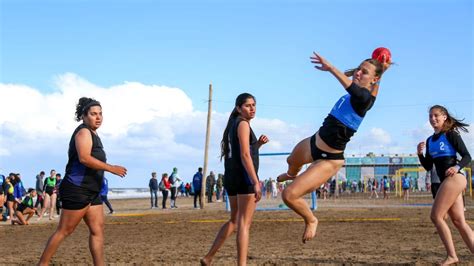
378 68
239 101
83 107
451 123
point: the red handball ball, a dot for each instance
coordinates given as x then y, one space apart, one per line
380 53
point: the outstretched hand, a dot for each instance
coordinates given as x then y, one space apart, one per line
320 63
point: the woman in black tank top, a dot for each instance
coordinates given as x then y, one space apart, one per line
79 191
325 150
239 148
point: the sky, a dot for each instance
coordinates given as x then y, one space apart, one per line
150 64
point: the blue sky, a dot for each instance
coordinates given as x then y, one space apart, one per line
262 47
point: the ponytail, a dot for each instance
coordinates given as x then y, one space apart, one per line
239 101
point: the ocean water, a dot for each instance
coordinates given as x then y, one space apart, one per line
129 193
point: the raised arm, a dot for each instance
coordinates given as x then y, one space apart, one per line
322 64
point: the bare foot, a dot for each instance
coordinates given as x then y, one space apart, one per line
205 262
450 260
310 230
284 177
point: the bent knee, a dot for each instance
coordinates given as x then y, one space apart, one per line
65 232
458 222
436 218
288 195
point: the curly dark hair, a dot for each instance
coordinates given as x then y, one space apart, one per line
83 107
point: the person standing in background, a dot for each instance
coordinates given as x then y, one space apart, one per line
197 184
210 182
406 184
103 195
165 187
153 185
175 181
39 191
2 197
48 188
219 186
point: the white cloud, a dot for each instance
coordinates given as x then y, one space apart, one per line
150 128
146 128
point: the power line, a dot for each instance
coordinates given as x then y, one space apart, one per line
327 106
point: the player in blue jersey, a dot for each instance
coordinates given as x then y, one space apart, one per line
406 184
441 150
80 189
325 149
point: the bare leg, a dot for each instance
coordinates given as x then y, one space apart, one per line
318 173
30 213
11 211
448 193
457 216
246 208
47 203
67 223
94 219
300 156
53 205
20 218
226 230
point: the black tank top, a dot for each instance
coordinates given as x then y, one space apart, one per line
78 174
233 161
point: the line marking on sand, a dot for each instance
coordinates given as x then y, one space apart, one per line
393 219
269 220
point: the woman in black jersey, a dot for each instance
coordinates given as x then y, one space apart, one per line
239 148
80 189
441 151
325 149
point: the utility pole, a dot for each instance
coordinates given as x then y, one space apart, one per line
206 149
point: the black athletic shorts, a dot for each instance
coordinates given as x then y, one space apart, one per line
73 197
21 208
49 190
434 189
318 154
11 198
238 184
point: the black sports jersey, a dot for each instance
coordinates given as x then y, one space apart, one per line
441 150
346 116
234 169
80 175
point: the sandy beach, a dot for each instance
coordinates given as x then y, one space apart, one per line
136 234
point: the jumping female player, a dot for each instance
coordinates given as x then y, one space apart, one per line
441 150
80 189
325 149
239 148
